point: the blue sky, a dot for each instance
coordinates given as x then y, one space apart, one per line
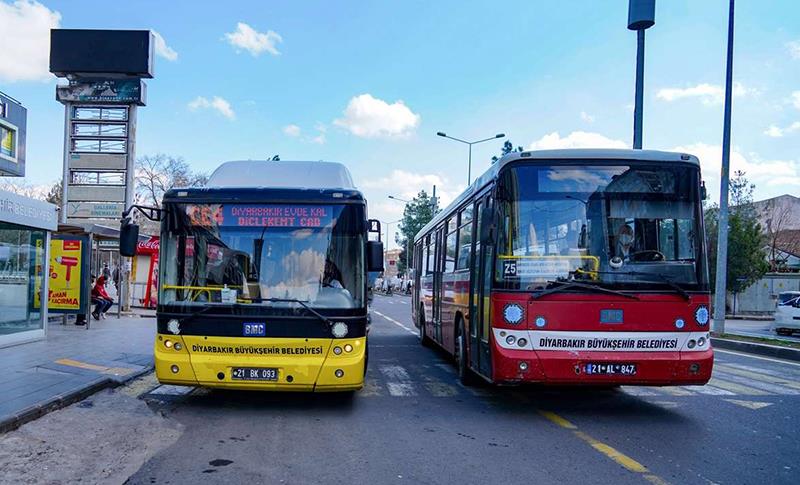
370 83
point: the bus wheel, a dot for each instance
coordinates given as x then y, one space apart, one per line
465 374
424 340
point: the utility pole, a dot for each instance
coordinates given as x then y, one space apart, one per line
641 16
720 287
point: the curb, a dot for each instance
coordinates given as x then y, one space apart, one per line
60 401
776 351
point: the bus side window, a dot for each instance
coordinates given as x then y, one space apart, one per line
431 255
450 253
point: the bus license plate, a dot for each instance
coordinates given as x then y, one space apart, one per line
254 374
609 369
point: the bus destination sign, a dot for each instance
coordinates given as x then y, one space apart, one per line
260 215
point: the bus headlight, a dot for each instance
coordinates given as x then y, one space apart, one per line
339 329
691 344
511 339
348 348
178 346
513 313
701 315
337 350
168 344
701 341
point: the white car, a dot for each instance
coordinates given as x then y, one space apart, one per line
787 313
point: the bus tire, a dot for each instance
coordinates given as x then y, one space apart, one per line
424 340
465 374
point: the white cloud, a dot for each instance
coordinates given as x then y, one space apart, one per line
407 185
370 117
163 50
794 49
776 132
796 99
587 117
709 94
292 130
771 177
219 104
773 131
253 41
25 39
576 139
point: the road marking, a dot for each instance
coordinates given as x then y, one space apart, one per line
754 405
736 388
617 456
786 362
401 389
555 418
665 404
400 384
117 371
674 391
745 371
395 322
711 391
764 386
638 391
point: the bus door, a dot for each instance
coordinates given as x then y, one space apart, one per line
480 288
438 291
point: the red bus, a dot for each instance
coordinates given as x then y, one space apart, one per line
583 266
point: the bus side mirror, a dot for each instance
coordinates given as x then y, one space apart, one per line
374 256
375 226
703 191
128 238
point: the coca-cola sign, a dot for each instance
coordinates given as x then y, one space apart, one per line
148 247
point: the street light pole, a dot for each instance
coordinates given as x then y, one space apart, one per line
720 287
641 16
470 143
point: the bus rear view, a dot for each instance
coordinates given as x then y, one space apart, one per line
263 280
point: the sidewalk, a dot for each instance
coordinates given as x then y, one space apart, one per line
70 364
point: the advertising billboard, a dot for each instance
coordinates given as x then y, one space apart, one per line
123 91
69 278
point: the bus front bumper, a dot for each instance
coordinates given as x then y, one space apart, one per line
301 364
569 367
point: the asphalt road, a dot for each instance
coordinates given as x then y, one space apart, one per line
413 423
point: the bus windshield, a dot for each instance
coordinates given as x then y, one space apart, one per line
619 226
263 254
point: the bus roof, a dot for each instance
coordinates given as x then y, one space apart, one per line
606 154
281 174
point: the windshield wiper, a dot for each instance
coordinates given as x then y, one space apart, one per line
192 316
663 277
295 300
566 285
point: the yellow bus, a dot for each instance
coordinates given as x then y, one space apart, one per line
263 278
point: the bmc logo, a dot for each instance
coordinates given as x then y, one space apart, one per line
254 329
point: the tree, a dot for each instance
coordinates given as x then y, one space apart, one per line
508 147
777 222
156 174
417 213
55 194
22 187
746 257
